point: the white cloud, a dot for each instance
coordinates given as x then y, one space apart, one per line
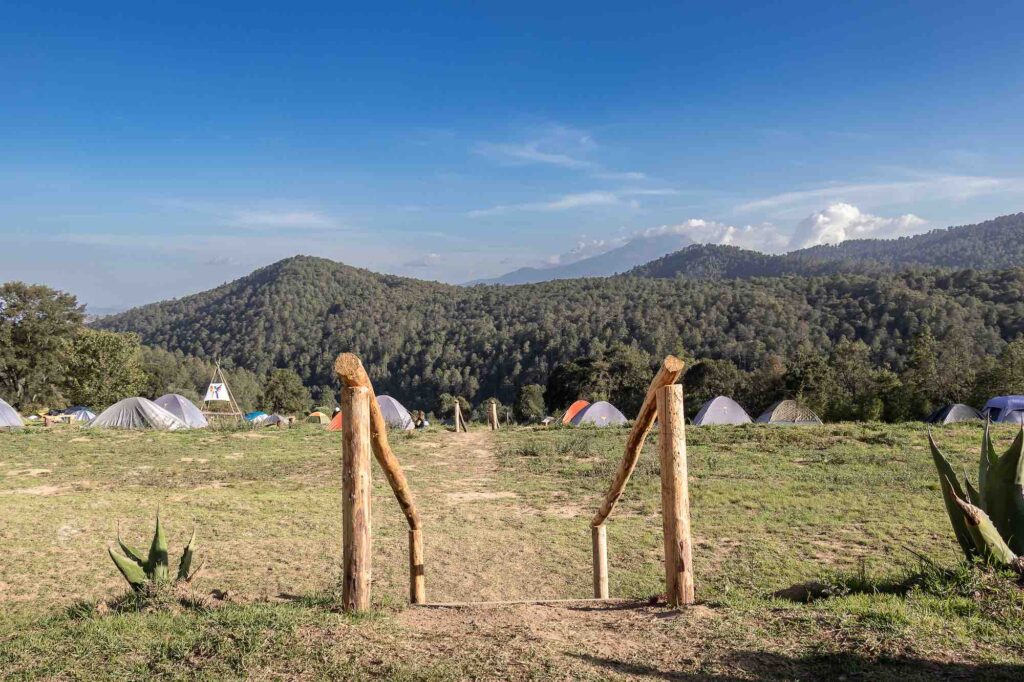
918 189
556 145
764 237
577 200
282 219
425 261
840 222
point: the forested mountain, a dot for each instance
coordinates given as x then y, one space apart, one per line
997 243
421 339
634 252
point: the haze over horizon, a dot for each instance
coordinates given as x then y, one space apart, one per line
153 152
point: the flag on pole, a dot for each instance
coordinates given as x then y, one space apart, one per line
217 392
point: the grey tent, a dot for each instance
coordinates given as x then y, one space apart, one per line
788 412
9 417
396 416
721 410
137 413
80 414
600 413
1005 408
184 409
950 414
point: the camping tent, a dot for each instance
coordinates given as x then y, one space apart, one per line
137 413
1005 408
335 424
395 415
9 418
721 410
254 416
788 412
599 414
80 414
950 414
318 418
273 420
573 410
183 408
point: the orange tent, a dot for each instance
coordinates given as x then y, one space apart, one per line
335 424
573 410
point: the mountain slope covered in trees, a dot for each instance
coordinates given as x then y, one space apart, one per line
997 243
422 339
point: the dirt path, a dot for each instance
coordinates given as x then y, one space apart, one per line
482 541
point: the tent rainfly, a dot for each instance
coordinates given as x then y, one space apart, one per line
395 415
318 418
80 413
600 413
336 422
951 414
253 416
183 408
573 410
721 410
788 412
1005 408
137 413
9 417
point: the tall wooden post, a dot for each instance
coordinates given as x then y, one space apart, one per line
460 423
599 539
675 496
492 415
355 490
417 579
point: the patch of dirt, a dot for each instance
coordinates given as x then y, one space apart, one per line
248 435
28 472
234 455
198 460
458 498
80 439
41 490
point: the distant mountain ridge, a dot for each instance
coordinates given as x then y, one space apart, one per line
993 244
635 252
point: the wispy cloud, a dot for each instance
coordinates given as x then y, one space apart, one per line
261 219
577 200
924 188
425 261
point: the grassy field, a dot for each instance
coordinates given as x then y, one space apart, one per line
848 507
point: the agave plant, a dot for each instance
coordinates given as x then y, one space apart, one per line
154 569
988 520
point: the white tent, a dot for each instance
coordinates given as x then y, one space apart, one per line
600 413
80 414
137 413
721 410
183 408
396 416
9 418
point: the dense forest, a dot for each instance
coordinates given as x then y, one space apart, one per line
423 339
993 244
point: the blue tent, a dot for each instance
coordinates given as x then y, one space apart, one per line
1005 408
253 416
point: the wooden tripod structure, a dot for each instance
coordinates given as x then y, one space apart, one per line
236 411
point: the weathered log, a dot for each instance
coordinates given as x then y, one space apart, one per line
599 540
417 581
671 370
675 496
350 372
355 491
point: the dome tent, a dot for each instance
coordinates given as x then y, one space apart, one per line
1005 408
9 417
600 413
721 410
318 418
788 412
951 414
79 413
573 410
336 422
395 415
137 413
183 408
254 417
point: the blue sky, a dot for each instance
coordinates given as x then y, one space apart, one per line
149 152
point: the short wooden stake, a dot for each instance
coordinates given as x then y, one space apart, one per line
417 581
355 487
599 537
492 415
675 496
460 423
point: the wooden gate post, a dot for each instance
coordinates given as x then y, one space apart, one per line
492 415
355 490
599 539
460 423
675 496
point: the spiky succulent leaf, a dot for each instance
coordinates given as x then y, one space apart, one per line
157 562
999 488
1016 537
186 557
950 491
986 537
132 572
128 551
973 496
985 464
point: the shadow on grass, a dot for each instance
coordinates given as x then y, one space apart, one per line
771 666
